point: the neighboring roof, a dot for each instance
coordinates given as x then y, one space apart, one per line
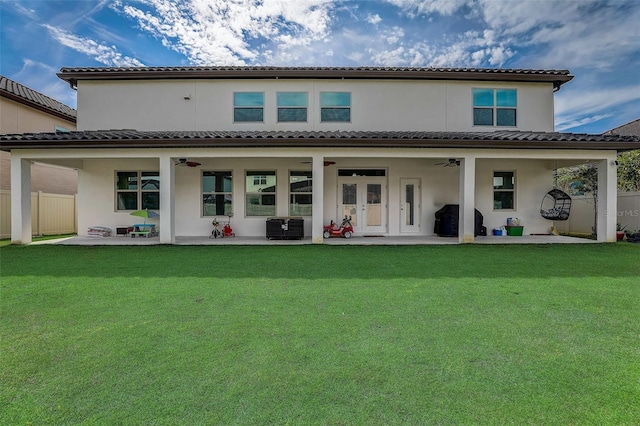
73 75
22 94
632 128
296 139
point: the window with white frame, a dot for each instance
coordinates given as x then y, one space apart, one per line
335 107
300 193
504 190
495 107
260 193
136 190
248 107
217 193
292 106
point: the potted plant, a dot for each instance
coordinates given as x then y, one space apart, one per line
633 236
620 232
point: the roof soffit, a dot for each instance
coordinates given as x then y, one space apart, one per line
556 77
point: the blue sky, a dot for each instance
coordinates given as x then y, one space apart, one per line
598 41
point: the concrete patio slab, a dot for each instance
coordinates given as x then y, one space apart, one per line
355 241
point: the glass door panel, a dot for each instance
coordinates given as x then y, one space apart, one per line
409 205
374 204
349 203
409 218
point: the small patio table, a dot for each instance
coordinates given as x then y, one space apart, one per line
143 229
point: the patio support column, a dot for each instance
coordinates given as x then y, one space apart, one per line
167 200
317 218
607 200
466 225
20 200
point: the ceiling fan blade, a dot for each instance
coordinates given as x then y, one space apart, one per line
183 162
452 162
326 163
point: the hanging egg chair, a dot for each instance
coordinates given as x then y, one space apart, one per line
556 205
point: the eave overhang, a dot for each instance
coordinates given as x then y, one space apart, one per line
124 139
35 105
556 77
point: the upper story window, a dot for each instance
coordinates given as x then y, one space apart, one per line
137 190
335 107
217 193
292 106
248 107
504 190
494 107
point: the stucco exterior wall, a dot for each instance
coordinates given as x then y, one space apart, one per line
19 118
533 180
375 105
438 186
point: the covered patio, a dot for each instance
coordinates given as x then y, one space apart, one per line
403 158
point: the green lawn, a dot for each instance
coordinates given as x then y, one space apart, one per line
327 335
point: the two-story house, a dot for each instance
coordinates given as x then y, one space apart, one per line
388 146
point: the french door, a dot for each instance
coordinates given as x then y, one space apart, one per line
365 200
409 205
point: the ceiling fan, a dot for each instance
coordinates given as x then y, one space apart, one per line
326 163
452 162
183 162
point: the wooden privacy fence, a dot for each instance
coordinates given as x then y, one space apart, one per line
51 214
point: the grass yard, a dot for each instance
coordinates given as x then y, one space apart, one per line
326 335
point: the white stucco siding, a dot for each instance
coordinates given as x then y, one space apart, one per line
140 105
96 192
375 105
533 180
439 186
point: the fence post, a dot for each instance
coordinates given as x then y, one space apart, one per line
75 213
39 214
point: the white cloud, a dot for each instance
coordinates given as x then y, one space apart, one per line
107 55
581 121
420 7
29 13
374 19
42 78
578 106
218 32
570 34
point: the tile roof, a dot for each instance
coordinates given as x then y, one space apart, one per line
24 95
631 128
213 139
557 77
